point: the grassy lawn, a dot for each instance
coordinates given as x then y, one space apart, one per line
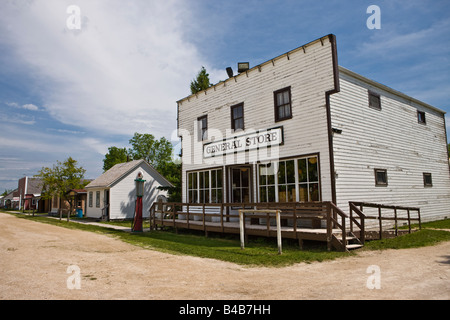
258 252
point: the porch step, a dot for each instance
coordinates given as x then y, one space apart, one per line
353 246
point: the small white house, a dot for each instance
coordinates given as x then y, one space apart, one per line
113 194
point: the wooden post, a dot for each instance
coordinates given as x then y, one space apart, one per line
396 223
278 231
241 227
380 222
409 220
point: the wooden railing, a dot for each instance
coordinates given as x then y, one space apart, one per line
358 208
171 213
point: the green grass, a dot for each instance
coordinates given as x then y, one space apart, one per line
421 238
258 252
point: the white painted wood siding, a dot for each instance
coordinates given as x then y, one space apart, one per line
308 72
123 194
392 139
94 211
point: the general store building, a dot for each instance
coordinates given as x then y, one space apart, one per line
300 128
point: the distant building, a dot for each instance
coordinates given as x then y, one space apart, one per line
113 194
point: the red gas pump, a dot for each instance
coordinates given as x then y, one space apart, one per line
137 221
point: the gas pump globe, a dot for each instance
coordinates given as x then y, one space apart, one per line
137 221
139 185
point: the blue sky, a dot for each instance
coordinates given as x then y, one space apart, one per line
75 92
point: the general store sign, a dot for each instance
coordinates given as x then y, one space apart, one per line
250 141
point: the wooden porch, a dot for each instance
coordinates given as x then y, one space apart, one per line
318 221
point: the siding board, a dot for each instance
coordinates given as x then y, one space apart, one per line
392 139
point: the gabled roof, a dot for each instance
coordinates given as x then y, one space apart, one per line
113 175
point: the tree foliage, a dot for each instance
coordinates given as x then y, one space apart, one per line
201 82
114 156
156 152
61 178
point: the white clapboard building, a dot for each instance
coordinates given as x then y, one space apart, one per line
113 194
300 128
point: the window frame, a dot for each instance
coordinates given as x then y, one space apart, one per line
276 106
207 189
276 184
421 118
376 95
425 183
91 199
202 131
233 119
377 182
97 199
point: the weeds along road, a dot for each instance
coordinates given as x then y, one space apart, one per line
35 259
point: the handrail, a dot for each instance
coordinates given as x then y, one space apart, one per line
354 208
293 211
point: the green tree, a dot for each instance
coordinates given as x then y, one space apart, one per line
201 82
172 172
114 156
61 178
156 152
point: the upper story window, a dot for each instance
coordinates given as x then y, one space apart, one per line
283 107
427 180
202 128
374 100
421 117
381 178
237 117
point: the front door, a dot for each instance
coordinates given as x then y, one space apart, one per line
240 184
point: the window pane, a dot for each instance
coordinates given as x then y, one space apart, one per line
262 174
219 195
239 124
201 178
213 179
291 193
314 192
245 194
236 178
313 174
290 171
281 114
219 178
237 112
270 173
245 174
262 194
282 194
302 173
213 196
286 97
194 180
237 195
303 192
271 194
206 178
281 173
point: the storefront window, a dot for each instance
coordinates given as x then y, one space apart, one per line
205 186
294 180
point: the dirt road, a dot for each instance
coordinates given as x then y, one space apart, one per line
34 259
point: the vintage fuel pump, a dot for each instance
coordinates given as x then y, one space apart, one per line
137 221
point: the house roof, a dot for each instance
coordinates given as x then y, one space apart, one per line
114 174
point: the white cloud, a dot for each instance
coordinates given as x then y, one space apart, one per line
121 73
